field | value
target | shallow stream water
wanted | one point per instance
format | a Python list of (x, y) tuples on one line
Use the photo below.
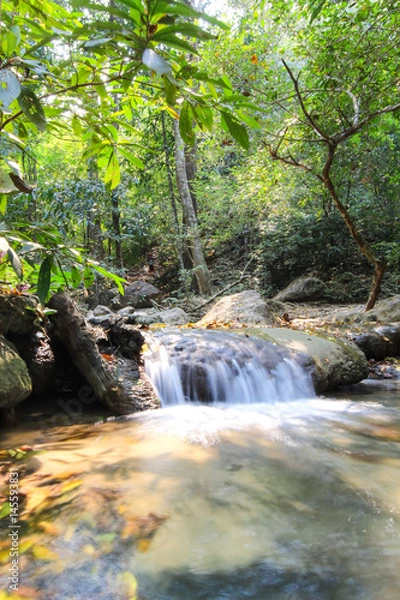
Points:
[(291, 500)]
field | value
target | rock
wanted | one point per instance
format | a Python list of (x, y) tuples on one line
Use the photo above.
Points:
[(15, 383), (331, 361), (276, 306), (127, 311), (173, 316), (303, 288), (100, 311), (37, 353), (170, 316), (384, 311), (387, 311), (17, 313), (138, 294), (246, 307), (380, 342), (127, 339), (106, 321), (145, 317)]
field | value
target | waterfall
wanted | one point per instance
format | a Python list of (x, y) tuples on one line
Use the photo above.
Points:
[(214, 366)]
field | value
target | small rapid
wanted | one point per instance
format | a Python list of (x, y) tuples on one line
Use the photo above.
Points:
[(214, 367)]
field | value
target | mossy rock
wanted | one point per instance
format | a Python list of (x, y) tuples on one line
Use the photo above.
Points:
[(15, 383), (331, 361)]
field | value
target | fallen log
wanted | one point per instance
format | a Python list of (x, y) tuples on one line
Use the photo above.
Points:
[(115, 380)]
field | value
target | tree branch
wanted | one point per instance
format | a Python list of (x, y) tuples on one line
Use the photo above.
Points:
[(309, 118), (344, 135), (290, 160)]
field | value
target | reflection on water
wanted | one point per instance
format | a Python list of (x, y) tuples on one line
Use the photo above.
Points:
[(297, 500)]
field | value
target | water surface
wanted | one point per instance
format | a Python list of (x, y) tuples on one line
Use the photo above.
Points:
[(293, 500)]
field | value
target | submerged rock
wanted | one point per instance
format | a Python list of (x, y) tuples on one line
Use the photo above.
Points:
[(246, 307), (15, 383)]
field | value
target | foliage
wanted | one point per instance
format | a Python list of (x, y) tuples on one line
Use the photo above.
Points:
[(44, 260), (98, 70), (98, 77)]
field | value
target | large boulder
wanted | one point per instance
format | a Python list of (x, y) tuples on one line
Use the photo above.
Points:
[(331, 361), (15, 383), (139, 294), (301, 289), (246, 307)]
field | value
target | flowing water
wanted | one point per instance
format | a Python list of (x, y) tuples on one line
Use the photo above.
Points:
[(297, 499), (211, 366)]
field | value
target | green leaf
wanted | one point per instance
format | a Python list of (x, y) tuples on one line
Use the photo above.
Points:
[(174, 41), (11, 40), (76, 125), (88, 277), (214, 21), (316, 10), (204, 116), (5, 510), (10, 87), (15, 262), (186, 124), (113, 173), (43, 283), (188, 29), (250, 121), (237, 130), (32, 108), (75, 277), (119, 281), (175, 8), (3, 204), (132, 158), (95, 42), (171, 90)]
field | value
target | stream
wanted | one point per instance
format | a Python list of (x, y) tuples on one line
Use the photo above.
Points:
[(297, 499)]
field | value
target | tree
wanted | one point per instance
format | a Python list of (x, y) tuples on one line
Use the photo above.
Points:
[(192, 232), (338, 77), (109, 62)]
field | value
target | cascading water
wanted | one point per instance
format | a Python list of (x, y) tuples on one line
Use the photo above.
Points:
[(211, 366)]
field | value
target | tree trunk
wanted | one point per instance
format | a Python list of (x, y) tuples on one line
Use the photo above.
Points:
[(113, 383), (116, 223), (191, 170), (189, 214), (94, 238), (380, 268), (177, 228), (379, 265)]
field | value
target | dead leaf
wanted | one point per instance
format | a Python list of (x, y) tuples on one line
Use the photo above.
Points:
[(49, 528), (143, 545), (43, 553)]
